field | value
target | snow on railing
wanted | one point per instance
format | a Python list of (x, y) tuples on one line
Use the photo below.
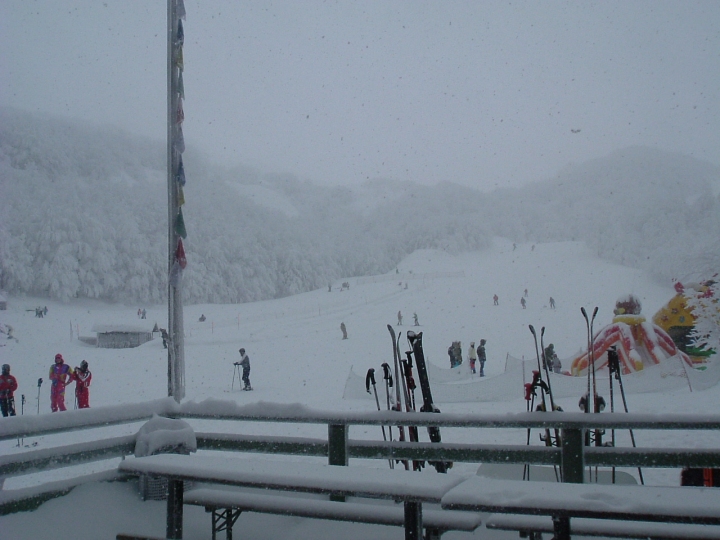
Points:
[(572, 424)]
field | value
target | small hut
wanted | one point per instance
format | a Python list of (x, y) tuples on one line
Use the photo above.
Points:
[(121, 336)]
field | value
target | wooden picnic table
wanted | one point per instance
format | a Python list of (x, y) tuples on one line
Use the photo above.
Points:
[(563, 501), (409, 487)]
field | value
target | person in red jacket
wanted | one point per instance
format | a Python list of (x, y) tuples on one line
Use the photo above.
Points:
[(8, 385), (82, 378), (60, 375)]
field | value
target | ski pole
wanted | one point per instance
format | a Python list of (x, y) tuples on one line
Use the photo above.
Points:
[(543, 386), (537, 354), (407, 366), (549, 384), (529, 404), (235, 371), (596, 402), (612, 403), (409, 387), (370, 379), (38, 398), (22, 413), (622, 393), (387, 376)]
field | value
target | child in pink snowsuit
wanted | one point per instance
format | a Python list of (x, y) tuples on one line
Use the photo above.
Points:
[(60, 375)]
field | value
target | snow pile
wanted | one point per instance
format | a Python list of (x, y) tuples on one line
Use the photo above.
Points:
[(165, 435)]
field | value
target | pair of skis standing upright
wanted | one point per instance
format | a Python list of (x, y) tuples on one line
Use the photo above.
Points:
[(545, 387), (405, 393), (589, 399)]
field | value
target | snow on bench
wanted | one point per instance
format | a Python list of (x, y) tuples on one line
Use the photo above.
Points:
[(25, 499), (563, 501), (411, 488), (605, 528), (437, 521)]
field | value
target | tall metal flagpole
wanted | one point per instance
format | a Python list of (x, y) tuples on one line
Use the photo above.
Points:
[(176, 344)]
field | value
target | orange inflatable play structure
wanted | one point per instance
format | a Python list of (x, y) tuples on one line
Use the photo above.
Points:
[(639, 343)]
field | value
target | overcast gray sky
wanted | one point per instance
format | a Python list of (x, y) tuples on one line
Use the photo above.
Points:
[(480, 93)]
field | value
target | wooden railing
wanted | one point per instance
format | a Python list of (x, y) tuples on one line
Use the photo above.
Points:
[(571, 456)]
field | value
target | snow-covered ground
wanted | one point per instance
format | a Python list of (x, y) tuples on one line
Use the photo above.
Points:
[(298, 356)]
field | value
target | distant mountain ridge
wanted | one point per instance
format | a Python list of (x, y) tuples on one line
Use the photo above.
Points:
[(83, 214)]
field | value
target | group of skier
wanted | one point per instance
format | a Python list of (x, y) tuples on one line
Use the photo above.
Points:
[(416, 322), (61, 374), (523, 302), (477, 355), (474, 355)]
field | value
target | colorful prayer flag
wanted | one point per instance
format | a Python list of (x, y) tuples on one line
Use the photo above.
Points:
[(179, 58), (180, 34), (180, 196), (179, 143), (180, 9), (180, 225), (180, 254), (180, 174), (181, 86)]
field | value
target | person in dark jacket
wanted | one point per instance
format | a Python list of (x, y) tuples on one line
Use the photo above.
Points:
[(481, 356)]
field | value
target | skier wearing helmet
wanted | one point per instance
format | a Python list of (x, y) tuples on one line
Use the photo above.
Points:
[(481, 356), (8, 385), (82, 377), (60, 375)]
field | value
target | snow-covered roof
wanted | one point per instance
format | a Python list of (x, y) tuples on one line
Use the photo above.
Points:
[(126, 328)]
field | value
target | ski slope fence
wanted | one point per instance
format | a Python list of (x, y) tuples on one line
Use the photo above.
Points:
[(408, 276), (233, 427), (459, 385)]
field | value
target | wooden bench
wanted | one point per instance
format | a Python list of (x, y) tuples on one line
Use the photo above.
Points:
[(530, 526), (563, 501), (412, 489), (226, 507)]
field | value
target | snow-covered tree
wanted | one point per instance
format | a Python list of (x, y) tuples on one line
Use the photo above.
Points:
[(704, 303)]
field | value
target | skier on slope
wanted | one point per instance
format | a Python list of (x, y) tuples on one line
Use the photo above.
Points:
[(245, 363), (399, 318), (472, 356), (60, 375), (495, 300), (522, 302), (549, 357), (8, 385), (343, 329), (481, 356), (82, 377)]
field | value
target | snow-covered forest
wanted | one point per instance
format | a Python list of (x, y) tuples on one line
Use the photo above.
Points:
[(83, 213)]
